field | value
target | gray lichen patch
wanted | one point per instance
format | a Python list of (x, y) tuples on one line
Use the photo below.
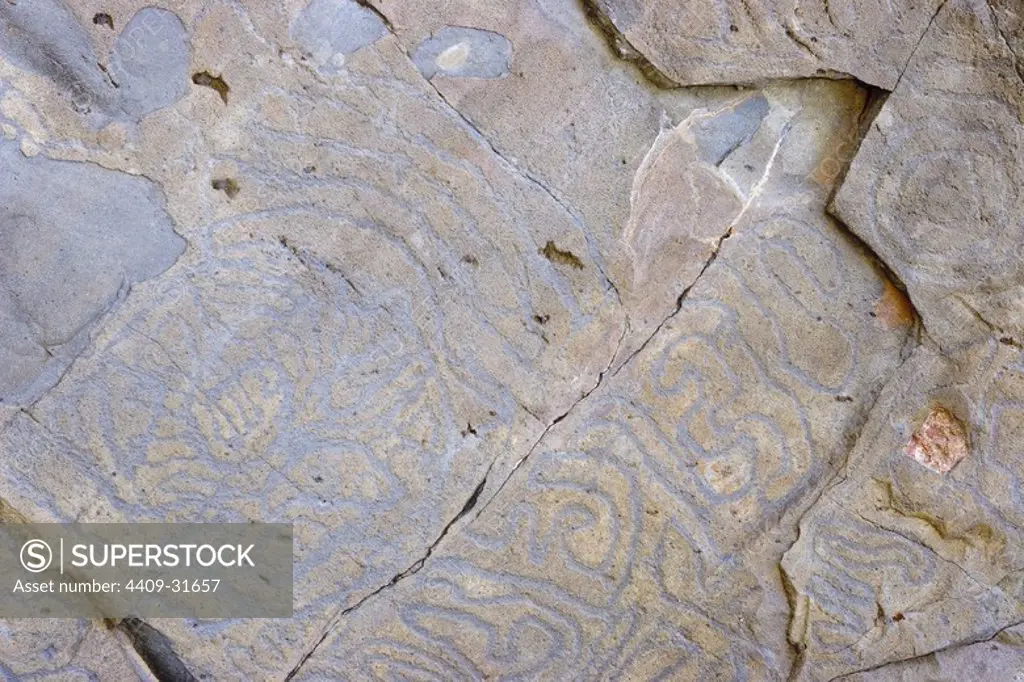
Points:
[(75, 236), (464, 53), (329, 30)]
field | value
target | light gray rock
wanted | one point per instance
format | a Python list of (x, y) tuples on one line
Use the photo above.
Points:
[(464, 53), (150, 61), (330, 30), (147, 69), (76, 238), (998, 658), (721, 135), (45, 37)]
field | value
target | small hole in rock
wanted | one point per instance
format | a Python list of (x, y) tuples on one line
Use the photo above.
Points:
[(226, 185), (208, 80), (557, 255), (103, 19)]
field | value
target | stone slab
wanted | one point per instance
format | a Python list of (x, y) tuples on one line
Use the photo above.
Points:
[(742, 41), (935, 186)]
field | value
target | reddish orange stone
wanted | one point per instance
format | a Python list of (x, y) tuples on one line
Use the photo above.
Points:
[(894, 309), (940, 443)]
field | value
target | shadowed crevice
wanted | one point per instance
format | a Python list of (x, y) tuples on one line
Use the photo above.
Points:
[(621, 46), (872, 108), (156, 650)]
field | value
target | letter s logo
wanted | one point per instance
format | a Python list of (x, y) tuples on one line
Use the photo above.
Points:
[(36, 556)]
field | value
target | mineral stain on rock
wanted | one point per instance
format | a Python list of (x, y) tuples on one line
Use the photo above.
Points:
[(894, 308), (227, 185), (940, 443), (557, 255), (464, 53), (103, 19)]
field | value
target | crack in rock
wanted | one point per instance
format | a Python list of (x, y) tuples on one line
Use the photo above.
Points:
[(157, 650), (413, 569)]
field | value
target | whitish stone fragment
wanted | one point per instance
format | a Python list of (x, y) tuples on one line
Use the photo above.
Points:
[(940, 442), (464, 53)]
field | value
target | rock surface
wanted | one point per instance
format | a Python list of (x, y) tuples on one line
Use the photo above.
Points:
[(739, 41), (935, 187), (560, 369), (76, 238), (999, 658)]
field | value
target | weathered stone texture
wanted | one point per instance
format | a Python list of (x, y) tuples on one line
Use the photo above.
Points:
[(560, 371), (936, 186), (746, 41), (76, 238), (672, 492), (999, 658), (67, 650), (896, 560)]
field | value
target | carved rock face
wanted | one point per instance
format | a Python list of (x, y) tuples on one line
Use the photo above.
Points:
[(560, 367)]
